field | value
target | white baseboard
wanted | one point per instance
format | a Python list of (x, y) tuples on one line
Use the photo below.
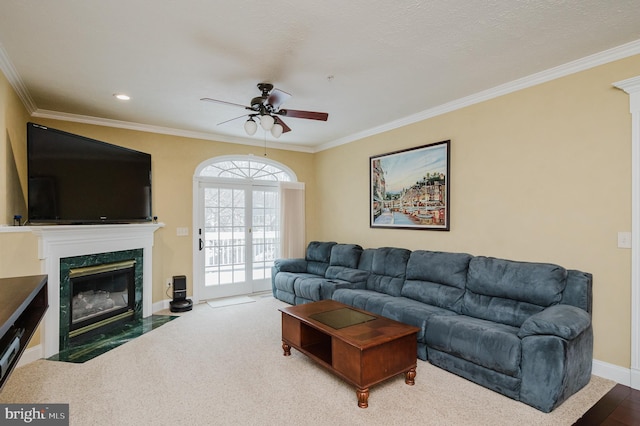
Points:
[(635, 379), (31, 354), (613, 372), (161, 305)]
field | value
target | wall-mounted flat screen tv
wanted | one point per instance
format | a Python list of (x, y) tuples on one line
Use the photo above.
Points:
[(77, 180)]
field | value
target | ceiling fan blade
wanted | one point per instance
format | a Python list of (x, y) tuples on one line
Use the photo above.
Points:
[(225, 103), (276, 98), (226, 121), (285, 128), (311, 115)]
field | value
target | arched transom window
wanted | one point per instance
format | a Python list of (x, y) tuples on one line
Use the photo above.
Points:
[(247, 168)]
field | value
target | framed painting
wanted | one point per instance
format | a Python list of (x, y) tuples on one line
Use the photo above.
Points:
[(410, 188)]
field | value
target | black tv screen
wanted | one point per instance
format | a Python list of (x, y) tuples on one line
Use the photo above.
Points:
[(77, 180)]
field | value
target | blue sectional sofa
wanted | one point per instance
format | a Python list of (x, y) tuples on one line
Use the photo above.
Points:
[(522, 329)]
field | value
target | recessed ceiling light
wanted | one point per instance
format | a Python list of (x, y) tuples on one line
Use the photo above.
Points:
[(122, 96)]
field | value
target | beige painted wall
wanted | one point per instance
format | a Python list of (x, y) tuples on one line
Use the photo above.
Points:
[(542, 174), (13, 154), (18, 251)]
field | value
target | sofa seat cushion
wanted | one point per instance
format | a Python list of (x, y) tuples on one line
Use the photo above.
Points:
[(485, 343), (314, 288), (285, 281), (368, 300), (413, 313), (509, 292)]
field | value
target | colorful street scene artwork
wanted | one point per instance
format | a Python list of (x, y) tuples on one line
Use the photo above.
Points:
[(410, 188)]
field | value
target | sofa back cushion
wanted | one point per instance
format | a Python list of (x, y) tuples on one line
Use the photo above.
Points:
[(344, 263), (347, 255), (437, 278), (509, 292), (318, 256), (387, 267)]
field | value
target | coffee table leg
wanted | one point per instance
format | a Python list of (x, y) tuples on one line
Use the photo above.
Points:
[(409, 377), (286, 348), (363, 397)]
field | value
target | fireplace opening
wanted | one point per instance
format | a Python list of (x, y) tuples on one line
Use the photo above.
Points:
[(102, 296)]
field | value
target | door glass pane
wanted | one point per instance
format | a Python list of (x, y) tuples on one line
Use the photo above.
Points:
[(265, 235), (224, 236)]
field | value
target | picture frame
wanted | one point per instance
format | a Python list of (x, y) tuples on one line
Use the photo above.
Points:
[(409, 189)]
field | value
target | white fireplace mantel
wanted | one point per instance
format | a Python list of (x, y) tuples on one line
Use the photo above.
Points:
[(60, 241)]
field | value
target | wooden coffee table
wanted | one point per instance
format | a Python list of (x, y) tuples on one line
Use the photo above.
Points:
[(362, 348)]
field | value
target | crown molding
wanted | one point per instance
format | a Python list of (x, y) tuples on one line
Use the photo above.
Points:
[(85, 119), (591, 61), (631, 85), (16, 82)]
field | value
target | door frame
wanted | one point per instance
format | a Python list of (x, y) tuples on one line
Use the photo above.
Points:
[(197, 208), (632, 87), (248, 187)]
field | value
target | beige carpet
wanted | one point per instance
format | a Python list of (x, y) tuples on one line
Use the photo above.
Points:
[(225, 366)]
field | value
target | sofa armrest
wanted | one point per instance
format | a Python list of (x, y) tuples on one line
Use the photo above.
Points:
[(564, 321), (290, 265)]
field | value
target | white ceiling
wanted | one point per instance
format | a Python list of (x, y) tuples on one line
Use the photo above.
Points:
[(369, 64)]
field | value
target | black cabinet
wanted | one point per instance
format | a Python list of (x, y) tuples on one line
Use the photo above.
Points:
[(23, 302)]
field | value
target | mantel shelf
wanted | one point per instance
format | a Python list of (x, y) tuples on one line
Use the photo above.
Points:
[(40, 229)]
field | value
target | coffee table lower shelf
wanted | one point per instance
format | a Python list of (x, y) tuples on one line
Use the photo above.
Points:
[(363, 354)]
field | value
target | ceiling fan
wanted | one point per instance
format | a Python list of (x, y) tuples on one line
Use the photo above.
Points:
[(266, 108)]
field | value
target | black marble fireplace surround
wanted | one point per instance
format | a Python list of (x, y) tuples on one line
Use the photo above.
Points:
[(125, 308)]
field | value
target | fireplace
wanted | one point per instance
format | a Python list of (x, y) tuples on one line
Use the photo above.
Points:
[(102, 296), (99, 293), (59, 242)]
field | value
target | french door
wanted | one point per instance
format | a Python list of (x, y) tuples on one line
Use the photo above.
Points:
[(238, 238)]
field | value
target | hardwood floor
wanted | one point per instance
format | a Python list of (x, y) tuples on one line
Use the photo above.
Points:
[(620, 406)]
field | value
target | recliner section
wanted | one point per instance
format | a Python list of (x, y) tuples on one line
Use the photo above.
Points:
[(327, 266)]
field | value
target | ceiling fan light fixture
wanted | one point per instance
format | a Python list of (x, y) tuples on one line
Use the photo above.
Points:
[(276, 130), (250, 126), (267, 121), (267, 109)]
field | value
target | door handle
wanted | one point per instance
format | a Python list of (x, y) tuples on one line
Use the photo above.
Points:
[(201, 243)]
